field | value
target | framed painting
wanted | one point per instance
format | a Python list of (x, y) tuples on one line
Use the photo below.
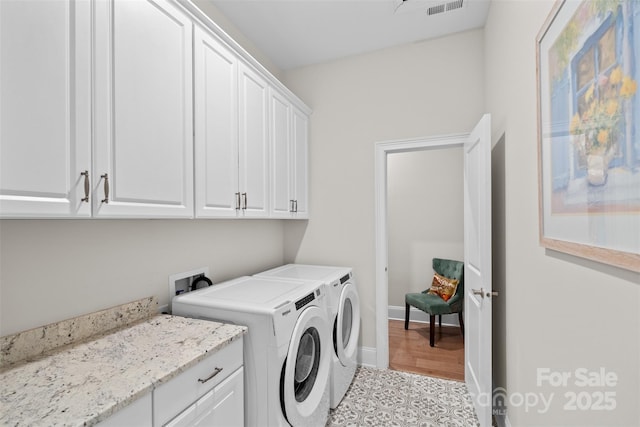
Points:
[(589, 130)]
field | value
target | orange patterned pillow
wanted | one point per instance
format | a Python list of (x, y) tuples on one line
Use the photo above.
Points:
[(443, 286)]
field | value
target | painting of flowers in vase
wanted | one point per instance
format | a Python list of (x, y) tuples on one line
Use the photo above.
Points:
[(589, 132)]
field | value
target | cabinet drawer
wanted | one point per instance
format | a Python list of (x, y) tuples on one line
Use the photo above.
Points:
[(173, 397)]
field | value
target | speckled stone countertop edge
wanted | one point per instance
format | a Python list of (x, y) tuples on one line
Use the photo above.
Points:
[(27, 345), (83, 382)]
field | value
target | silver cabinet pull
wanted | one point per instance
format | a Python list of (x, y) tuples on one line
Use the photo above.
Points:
[(237, 201), (215, 372), (295, 203), (244, 199), (291, 205), (86, 186), (106, 188)]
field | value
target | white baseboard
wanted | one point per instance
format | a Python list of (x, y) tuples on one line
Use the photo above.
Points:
[(397, 313), (367, 356)]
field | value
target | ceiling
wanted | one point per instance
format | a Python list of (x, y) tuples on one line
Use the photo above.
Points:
[(296, 33)]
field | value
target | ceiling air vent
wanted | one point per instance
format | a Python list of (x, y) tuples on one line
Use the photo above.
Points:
[(435, 9), (431, 7), (454, 5)]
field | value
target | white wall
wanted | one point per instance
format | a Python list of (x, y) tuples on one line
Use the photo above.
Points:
[(561, 312), (52, 270), (425, 216), (421, 89)]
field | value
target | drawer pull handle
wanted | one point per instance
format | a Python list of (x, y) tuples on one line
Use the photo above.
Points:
[(86, 186), (215, 372), (106, 188)]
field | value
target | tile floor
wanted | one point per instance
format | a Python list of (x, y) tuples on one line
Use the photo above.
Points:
[(393, 398)]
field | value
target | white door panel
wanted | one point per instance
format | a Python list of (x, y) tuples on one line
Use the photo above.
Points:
[(477, 274), (254, 143), (45, 116), (143, 116), (216, 127), (281, 191)]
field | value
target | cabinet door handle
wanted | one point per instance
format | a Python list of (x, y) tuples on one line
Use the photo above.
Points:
[(237, 201), (295, 203), (86, 186), (291, 205), (244, 199), (215, 372), (106, 188)]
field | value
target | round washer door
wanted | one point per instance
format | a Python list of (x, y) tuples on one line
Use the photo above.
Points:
[(304, 383), (347, 326)]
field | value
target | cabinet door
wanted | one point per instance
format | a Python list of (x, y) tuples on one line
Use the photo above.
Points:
[(282, 192), (45, 110), (138, 414), (300, 146), (143, 110), (216, 127), (222, 406), (228, 405), (253, 143)]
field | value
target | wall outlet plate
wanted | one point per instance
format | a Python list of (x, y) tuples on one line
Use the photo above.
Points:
[(181, 282)]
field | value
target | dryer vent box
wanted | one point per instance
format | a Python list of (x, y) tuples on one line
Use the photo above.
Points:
[(181, 282)]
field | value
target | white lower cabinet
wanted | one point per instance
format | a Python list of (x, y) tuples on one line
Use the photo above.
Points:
[(210, 393), (138, 414), (222, 406)]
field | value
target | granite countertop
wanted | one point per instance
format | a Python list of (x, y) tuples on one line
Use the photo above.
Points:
[(84, 383)]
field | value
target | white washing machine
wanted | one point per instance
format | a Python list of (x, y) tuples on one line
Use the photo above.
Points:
[(344, 318), (287, 349)]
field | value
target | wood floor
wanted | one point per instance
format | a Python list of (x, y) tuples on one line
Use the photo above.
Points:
[(409, 350)]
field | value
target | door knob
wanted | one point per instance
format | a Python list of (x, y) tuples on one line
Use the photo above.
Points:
[(478, 292), (483, 294)]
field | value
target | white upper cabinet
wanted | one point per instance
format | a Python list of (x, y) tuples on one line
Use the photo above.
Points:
[(45, 110), (143, 146), (289, 134), (300, 145), (141, 109), (231, 138), (253, 143), (216, 127)]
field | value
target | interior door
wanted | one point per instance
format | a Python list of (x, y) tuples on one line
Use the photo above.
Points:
[(477, 264)]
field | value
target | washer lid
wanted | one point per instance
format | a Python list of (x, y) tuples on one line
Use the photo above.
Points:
[(256, 294), (306, 272)]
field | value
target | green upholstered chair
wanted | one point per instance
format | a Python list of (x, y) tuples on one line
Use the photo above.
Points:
[(433, 304)]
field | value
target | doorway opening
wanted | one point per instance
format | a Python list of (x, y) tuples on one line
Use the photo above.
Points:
[(425, 220), (390, 301)]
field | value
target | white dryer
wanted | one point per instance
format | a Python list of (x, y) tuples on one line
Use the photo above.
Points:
[(344, 318), (287, 348)]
